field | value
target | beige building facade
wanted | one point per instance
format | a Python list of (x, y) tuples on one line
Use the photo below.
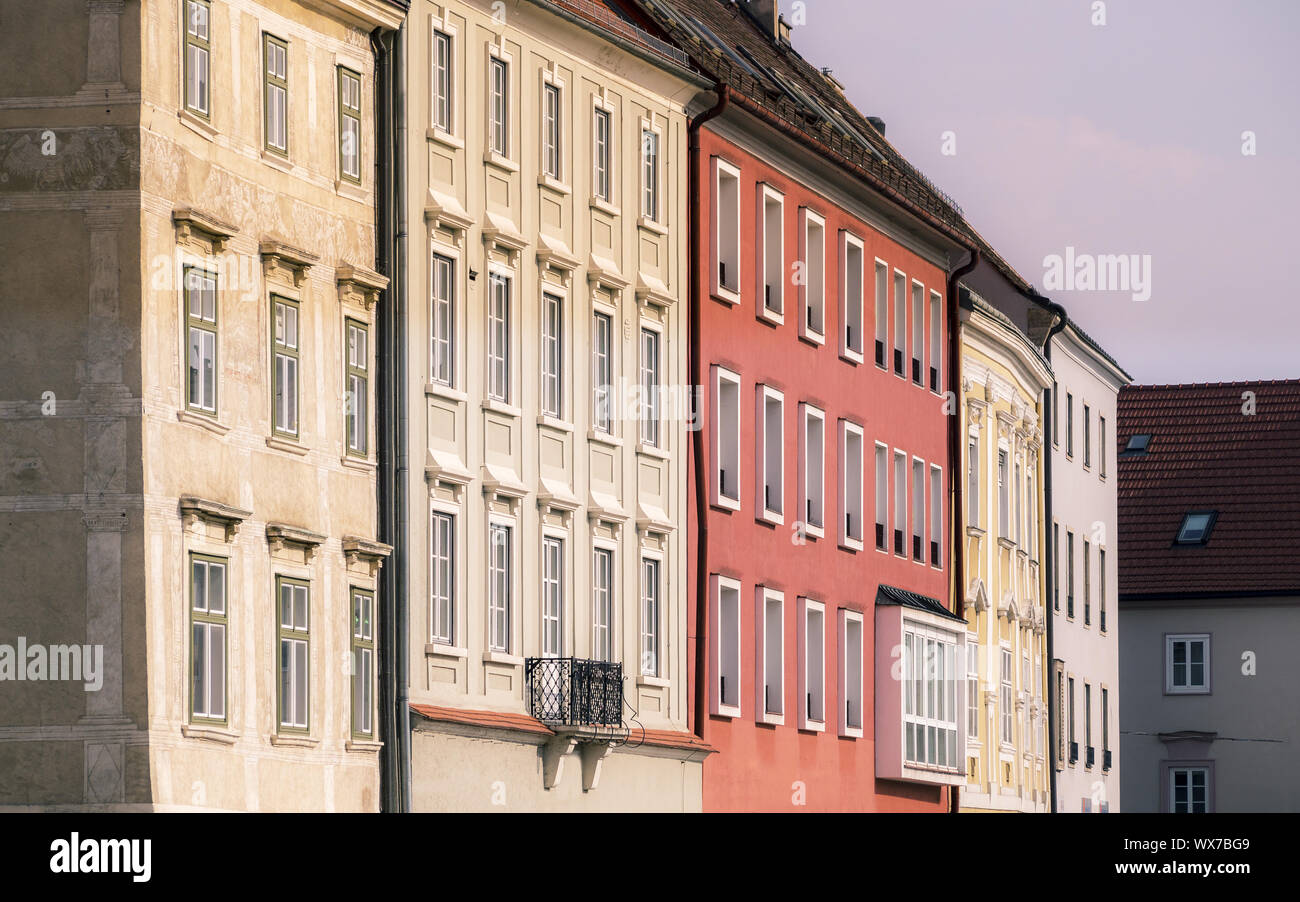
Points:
[(189, 433), (548, 416)]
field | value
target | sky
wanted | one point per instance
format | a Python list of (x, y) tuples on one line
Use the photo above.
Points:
[(1117, 138)]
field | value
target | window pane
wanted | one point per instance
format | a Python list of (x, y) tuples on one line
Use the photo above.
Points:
[(198, 671), (217, 670)]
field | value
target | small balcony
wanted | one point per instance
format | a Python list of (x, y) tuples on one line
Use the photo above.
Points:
[(575, 692)]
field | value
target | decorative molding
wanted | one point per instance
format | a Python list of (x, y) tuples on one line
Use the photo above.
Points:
[(281, 258), (652, 291), (444, 211), (501, 485), (356, 549), (280, 535), (555, 253), (194, 509), (358, 285), (194, 225), (604, 273), (105, 521)]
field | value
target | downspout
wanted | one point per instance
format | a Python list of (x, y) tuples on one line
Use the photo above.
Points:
[(1053, 715), (954, 455), (694, 297), (400, 266)]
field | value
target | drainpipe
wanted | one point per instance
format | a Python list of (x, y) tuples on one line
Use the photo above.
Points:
[(954, 455), (694, 296)]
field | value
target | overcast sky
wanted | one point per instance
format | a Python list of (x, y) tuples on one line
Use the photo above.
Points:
[(1124, 138)]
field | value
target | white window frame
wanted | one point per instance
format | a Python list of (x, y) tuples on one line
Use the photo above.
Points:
[(1189, 688), (901, 481), (604, 392), (769, 482), (202, 44), (440, 126), (851, 679), (599, 107), (851, 506), (554, 407), (559, 583), (1172, 770), (1004, 491), (452, 257), (652, 628), (918, 511), (605, 546), (1006, 696), (211, 624), (880, 288), (812, 667), (937, 328), (918, 375), (973, 479), (726, 234), (937, 495), (503, 152), (900, 362), (812, 288), (720, 646), (651, 427), (765, 254), (512, 557), (812, 470), (945, 714), (881, 465), (551, 131), (727, 466), (452, 512), (852, 312), (766, 598), (651, 167), (512, 293), (972, 688)]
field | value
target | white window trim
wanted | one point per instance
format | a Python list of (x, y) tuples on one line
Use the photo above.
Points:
[(721, 374), (847, 351), (807, 220), (847, 428), (1170, 688), (661, 650), (880, 302), (559, 182), (919, 350), (610, 310), (656, 222), (513, 335), (937, 330), (566, 585), (846, 679), (901, 509), (565, 417), (643, 324), (762, 596), (775, 516), (805, 607), (972, 655), (807, 492), (716, 707), (936, 517), (881, 498), (458, 557), (452, 253), (919, 505), (761, 251), (611, 546), (512, 614), (610, 206), (900, 278), (503, 160), (720, 291), (455, 128)]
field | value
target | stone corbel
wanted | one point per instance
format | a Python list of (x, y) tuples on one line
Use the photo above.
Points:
[(358, 285), (366, 551), (194, 509), (555, 254), (604, 510), (448, 474), (442, 211), (279, 257), (653, 521), (280, 535), (652, 292), (553, 754), (555, 498), (593, 755), (604, 273), (192, 225), (500, 485), (501, 233)]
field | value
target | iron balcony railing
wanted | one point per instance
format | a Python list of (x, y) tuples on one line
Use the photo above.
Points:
[(575, 691)]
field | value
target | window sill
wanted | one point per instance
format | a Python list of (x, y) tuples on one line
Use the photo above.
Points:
[(444, 138), (657, 682), (1006, 543), (975, 532), (359, 463), (492, 158), (849, 355), (604, 438), (851, 544), (364, 746), (812, 529), (197, 419), (290, 740), (351, 190), (213, 733), (651, 451), (775, 518), (772, 718), (851, 733), (501, 407), (812, 336), (603, 206), (549, 421), (812, 726), (725, 503), (437, 389), (554, 184), (768, 315), (501, 657), (277, 160), (438, 650), (284, 444), (725, 295), (197, 124), (731, 712), (650, 225)]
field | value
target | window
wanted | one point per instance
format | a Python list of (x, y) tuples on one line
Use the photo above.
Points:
[(851, 485), (972, 688), (442, 577), (725, 647), (551, 121), (1137, 443), (1031, 515), (1004, 489), (349, 125), (1187, 664), (602, 155), (363, 663), (552, 355), (1101, 583), (1056, 566), (498, 350), (1069, 700), (771, 255), (198, 51), (208, 629), (602, 597), (1196, 528), (726, 230), (358, 364), (900, 322), (973, 481), (284, 348), (1056, 413), (1105, 728), (900, 500), (813, 290), (650, 387), (769, 628), (1018, 516), (1189, 790), (1069, 574), (882, 311), (500, 586), (812, 665), (930, 709), (650, 174), (1005, 707), (1101, 443), (1087, 582), (850, 668), (1087, 725), (201, 321), (918, 508), (650, 607), (294, 647), (936, 339), (1069, 425), (936, 516), (552, 596), (441, 63), (882, 497), (276, 87), (851, 297), (918, 330), (770, 453), (499, 106), (726, 438), (602, 365), (442, 320), (812, 464), (1087, 436)]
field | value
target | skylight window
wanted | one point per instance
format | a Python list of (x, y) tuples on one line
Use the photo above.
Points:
[(1137, 443), (1196, 528)]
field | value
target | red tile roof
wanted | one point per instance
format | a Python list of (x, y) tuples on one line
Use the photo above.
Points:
[(1207, 453), (476, 717), (670, 739)]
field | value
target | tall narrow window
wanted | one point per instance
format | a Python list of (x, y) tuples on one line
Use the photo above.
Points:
[(500, 583), (726, 230), (650, 387), (1031, 515), (1056, 413), (900, 501), (769, 627), (918, 509), (1105, 728), (441, 63), (602, 376), (930, 711), (363, 663), (552, 355), (1069, 574), (936, 516), (1004, 501), (812, 464), (1101, 584), (499, 106), (295, 643), (936, 338), (602, 155), (882, 312), (1087, 582), (198, 52), (850, 670), (276, 92), (813, 287), (812, 665), (1087, 724), (552, 596), (972, 688), (726, 438), (900, 322), (551, 120), (650, 174), (602, 599), (771, 251), (284, 349), (358, 375), (1101, 443), (852, 293), (770, 453), (1018, 517), (1069, 424), (201, 320), (1069, 701), (499, 337), (349, 125), (1087, 436), (918, 331), (882, 497), (724, 649), (1056, 566), (442, 320), (442, 578), (851, 462), (973, 481), (650, 612), (208, 620), (1005, 706)]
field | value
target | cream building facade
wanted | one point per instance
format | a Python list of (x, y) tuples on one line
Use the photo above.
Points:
[(547, 429), (1003, 380), (188, 417)]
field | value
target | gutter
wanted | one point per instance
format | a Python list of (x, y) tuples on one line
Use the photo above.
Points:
[(697, 378), (1053, 716)]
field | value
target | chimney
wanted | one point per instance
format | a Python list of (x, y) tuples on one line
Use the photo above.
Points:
[(878, 124), (766, 14)]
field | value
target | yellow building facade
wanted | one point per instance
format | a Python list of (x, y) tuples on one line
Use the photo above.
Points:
[(1003, 379)]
